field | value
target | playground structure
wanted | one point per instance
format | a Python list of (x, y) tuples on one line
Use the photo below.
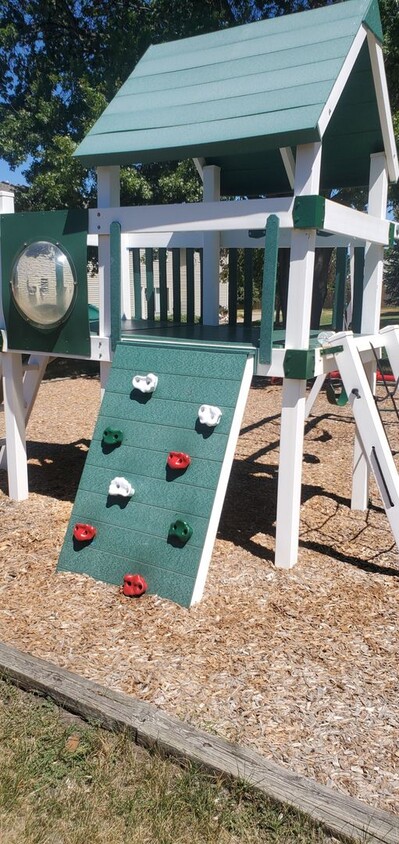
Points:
[(292, 108)]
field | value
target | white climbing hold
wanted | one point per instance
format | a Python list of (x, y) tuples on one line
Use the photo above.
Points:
[(209, 415), (145, 383), (120, 486)]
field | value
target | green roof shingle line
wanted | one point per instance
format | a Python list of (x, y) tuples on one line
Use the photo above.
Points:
[(237, 92)]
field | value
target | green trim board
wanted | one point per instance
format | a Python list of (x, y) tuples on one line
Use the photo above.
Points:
[(68, 229), (233, 95), (269, 289), (133, 534), (116, 277)]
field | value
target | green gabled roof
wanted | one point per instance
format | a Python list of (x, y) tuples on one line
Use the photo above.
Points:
[(235, 96)]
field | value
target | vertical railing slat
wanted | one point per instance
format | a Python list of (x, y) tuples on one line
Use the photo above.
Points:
[(248, 285), (163, 289), (137, 284), (149, 275), (190, 286), (269, 289), (201, 260), (115, 272), (176, 285), (232, 303)]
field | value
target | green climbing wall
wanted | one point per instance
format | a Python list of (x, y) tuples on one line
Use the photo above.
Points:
[(132, 534)]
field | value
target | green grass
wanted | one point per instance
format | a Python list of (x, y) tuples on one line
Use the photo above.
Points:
[(389, 316), (64, 782)]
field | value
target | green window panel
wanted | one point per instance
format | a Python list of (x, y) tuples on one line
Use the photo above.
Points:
[(67, 230)]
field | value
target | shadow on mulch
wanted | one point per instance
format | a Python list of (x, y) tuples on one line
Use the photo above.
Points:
[(250, 503), (72, 368), (58, 470), (250, 509)]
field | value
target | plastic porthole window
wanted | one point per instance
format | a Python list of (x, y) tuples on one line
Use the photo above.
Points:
[(43, 284)]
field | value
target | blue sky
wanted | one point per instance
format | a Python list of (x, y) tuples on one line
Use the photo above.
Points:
[(7, 175)]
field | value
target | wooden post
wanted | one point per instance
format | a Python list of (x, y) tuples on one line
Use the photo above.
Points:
[(371, 311), (293, 414), (108, 196), (211, 255)]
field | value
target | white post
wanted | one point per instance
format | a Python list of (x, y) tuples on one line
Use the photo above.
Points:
[(14, 412), (108, 196), (6, 202), (6, 207), (211, 253), (293, 414), (372, 292), (14, 404)]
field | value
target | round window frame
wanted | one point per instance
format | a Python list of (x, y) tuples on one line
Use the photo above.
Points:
[(57, 323)]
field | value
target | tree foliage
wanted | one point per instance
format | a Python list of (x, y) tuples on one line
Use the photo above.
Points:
[(62, 61), (391, 275)]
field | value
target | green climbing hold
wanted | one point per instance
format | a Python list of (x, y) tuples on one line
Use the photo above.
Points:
[(181, 530), (111, 436)]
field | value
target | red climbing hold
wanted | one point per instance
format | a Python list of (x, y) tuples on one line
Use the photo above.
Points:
[(84, 533), (178, 460), (134, 585)]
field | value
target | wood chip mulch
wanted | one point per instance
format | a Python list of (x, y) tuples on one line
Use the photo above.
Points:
[(301, 665)]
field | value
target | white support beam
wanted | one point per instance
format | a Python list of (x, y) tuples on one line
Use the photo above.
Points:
[(199, 164), (235, 239), (289, 164), (356, 224), (223, 481), (371, 311), (293, 414), (33, 376), (341, 80), (14, 413), (372, 436), (314, 392), (384, 109), (211, 252), (33, 373), (193, 216), (374, 254), (6, 207), (108, 195)]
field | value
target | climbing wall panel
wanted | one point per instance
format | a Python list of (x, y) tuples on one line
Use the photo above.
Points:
[(132, 533)]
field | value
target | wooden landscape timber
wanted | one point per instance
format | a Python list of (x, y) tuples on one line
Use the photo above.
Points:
[(150, 727)]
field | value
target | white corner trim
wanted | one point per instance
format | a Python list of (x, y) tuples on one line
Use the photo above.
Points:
[(384, 108), (341, 80), (223, 481), (289, 164), (199, 164)]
